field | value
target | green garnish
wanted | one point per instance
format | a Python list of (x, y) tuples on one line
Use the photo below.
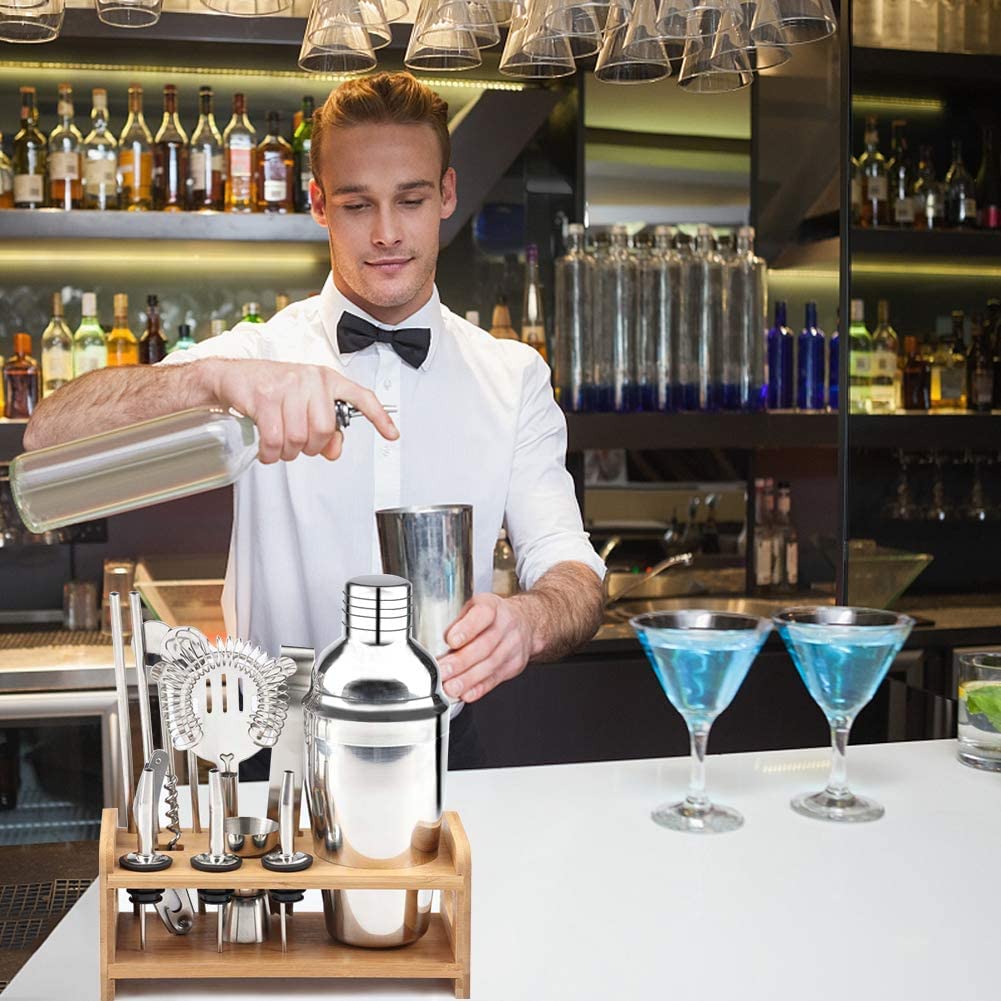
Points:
[(986, 700)]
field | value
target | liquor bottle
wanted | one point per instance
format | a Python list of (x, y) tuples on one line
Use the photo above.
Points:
[(135, 157), (20, 380), (239, 140), (741, 382), (926, 193), (948, 369), (859, 361), (781, 343), (992, 326), (90, 346), (123, 347), (834, 365), (100, 158), (217, 327), (810, 367), (574, 280), (152, 344), (205, 159), (6, 179), (185, 339), (302, 141), (989, 184), (787, 549), (960, 200), (57, 349), (882, 392), (251, 313), (170, 158), (979, 369), (856, 181), (505, 576), (275, 173), (917, 378), (281, 302), (704, 314), (500, 320), (900, 171), (29, 156), (533, 324), (65, 180), (763, 539), (875, 189), (615, 293)]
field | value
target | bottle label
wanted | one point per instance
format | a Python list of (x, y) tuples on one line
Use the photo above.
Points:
[(274, 191), (64, 166), (884, 363), (981, 389), (90, 359), (860, 363), (64, 109), (305, 176), (876, 189), (952, 381), (763, 560), (990, 216), (100, 173), (903, 211), (57, 366), (883, 396), (792, 562), (197, 166), (29, 188), (240, 161)]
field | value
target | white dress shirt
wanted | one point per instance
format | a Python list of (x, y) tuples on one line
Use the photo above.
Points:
[(478, 425)]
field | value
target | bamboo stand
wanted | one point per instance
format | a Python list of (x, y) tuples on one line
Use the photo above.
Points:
[(442, 953)]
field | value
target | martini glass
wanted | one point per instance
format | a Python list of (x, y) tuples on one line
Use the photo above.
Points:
[(700, 658), (842, 655)]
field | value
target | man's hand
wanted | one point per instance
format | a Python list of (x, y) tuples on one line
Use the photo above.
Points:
[(292, 405), (491, 642)]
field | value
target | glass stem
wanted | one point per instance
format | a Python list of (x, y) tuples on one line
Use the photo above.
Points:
[(837, 784), (697, 798)]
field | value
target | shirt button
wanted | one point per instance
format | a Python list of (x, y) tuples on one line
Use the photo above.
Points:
[(388, 384)]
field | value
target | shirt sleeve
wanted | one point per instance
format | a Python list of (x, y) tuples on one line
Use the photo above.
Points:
[(243, 341), (541, 513)]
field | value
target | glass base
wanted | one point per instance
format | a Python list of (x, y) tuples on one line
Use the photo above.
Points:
[(845, 809), (985, 760), (685, 816)]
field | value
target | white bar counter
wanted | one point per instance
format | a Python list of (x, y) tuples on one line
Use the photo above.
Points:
[(578, 895)]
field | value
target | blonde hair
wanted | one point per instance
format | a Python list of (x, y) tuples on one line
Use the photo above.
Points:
[(386, 98)]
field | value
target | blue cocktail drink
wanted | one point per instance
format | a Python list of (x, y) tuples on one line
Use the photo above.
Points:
[(842, 655), (700, 658)]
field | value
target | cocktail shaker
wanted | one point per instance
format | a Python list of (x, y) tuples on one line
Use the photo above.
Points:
[(432, 547), (376, 728)]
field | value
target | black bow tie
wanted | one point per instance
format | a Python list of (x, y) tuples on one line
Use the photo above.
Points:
[(356, 334)]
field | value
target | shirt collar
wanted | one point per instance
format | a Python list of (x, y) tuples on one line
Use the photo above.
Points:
[(333, 303)]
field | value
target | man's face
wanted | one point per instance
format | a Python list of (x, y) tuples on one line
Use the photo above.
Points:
[(382, 201)]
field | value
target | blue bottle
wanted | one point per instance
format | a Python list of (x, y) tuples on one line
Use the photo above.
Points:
[(832, 369), (781, 373), (810, 374)]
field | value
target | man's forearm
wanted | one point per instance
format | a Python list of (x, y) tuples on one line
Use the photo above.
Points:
[(564, 607), (114, 397)]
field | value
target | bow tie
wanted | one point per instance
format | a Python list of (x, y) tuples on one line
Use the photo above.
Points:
[(356, 334)]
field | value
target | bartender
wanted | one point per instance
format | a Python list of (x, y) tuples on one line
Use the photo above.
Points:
[(476, 421)]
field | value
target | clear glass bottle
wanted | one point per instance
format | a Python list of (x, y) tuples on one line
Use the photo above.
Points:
[(885, 348), (948, 368), (20, 380), (239, 140), (90, 345), (185, 339), (929, 208), (810, 351), (743, 385), (302, 142), (533, 323), (205, 159), (29, 159), (135, 466), (859, 361), (170, 158), (152, 344), (670, 310), (574, 279), (6, 179), (505, 577), (57, 349), (781, 348), (100, 158), (275, 170), (135, 157), (645, 344), (65, 173), (123, 346), (900, 170), (615, 314), (875, 186), (960, 198)]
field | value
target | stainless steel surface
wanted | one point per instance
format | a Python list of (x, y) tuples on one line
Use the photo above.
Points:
[(760, 607), (230, 780), (681, 560), (127, 791), (216, 858), (176, 911), (250, 837), (377, 749), (194, 784), (247, 917), (144, 810), (723, 575), (432, 547), (286, 858), (287, 754)]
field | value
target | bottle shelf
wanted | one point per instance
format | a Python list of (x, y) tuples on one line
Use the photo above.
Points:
[(918, 432), (924, 73), (251, 227), (702, 430), (950, 246)]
